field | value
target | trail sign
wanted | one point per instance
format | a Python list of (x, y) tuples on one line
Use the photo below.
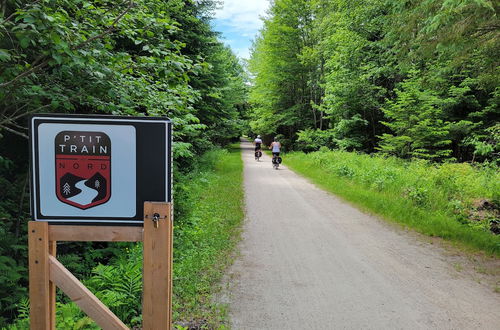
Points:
[(98, 169), (83, 168)]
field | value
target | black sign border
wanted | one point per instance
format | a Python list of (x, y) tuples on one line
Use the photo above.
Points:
[(151, 178)]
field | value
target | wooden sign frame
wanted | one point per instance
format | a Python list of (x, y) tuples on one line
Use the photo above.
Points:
[(46, 272)]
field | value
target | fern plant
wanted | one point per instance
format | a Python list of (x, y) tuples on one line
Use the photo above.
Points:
[(119, 286), (69, 316)]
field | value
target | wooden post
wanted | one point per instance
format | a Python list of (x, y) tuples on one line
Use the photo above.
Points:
[(39, 293), (171, 259), (52, 287), (157, 292)]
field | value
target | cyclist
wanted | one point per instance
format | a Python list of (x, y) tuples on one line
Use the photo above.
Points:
[(258, 144), (275, 148)]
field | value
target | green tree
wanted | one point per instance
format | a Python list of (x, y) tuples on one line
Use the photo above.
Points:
[(417, 122), (455, 45), (359, 75), (281, 95)]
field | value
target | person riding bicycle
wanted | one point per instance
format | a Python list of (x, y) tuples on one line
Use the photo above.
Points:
[(258, 143), (275, 148)]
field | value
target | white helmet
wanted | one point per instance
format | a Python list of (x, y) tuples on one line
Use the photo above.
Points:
[(258, 136)]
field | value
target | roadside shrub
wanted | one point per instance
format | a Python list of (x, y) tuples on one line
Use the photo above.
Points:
[(312, 140), (418, 195), (378, 184), (344, 170)]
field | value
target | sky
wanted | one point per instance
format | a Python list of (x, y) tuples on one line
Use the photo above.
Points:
[(239, 21)]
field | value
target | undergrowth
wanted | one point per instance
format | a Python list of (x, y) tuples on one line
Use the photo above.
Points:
[(209, 234), (442, 200), (209, 202)]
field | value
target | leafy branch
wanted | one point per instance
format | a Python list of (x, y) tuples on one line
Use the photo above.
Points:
[(7, 19), (109, 30), (35, 67)]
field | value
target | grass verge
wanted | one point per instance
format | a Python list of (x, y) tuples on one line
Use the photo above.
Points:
[(206, 237), (436, 200)]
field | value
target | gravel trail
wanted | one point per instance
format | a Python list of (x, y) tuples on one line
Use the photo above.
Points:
[(311, 261)]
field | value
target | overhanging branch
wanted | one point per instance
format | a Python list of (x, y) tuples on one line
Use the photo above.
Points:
[(36, 67)]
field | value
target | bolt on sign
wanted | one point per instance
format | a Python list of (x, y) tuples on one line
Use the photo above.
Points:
[(98, 169)]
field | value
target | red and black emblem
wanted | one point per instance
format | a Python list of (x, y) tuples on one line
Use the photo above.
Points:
[(83, 168)]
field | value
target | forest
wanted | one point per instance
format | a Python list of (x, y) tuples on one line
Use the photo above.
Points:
[(413, 79), (410, 83)]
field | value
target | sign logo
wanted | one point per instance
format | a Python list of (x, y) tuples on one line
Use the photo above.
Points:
[(83, 168)]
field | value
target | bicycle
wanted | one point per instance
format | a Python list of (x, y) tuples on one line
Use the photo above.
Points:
[(258, 154), (276, 161)]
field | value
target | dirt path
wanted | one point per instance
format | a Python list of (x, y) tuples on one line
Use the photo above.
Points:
[(310, 261)]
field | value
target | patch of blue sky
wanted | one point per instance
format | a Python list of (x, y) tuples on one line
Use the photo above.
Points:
[(239, 42), (239, 21)]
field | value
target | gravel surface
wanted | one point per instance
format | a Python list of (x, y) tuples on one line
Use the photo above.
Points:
[(311, 261)]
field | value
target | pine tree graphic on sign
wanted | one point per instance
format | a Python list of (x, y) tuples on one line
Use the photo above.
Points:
[(66, 189)]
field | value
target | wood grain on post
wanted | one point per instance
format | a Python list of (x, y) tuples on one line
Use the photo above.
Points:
[(38, 248), (82, 296), (157, 292), (171, 260), (52, 287), (95, 233)]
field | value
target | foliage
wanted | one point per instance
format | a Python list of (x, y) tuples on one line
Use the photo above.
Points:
[(312, 140), (417, 120), (133, 57), (410, 78), (68, 316), (13, 248), (435, 199), (280, 95), (212, 199), (119, 286), (358, 70)]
